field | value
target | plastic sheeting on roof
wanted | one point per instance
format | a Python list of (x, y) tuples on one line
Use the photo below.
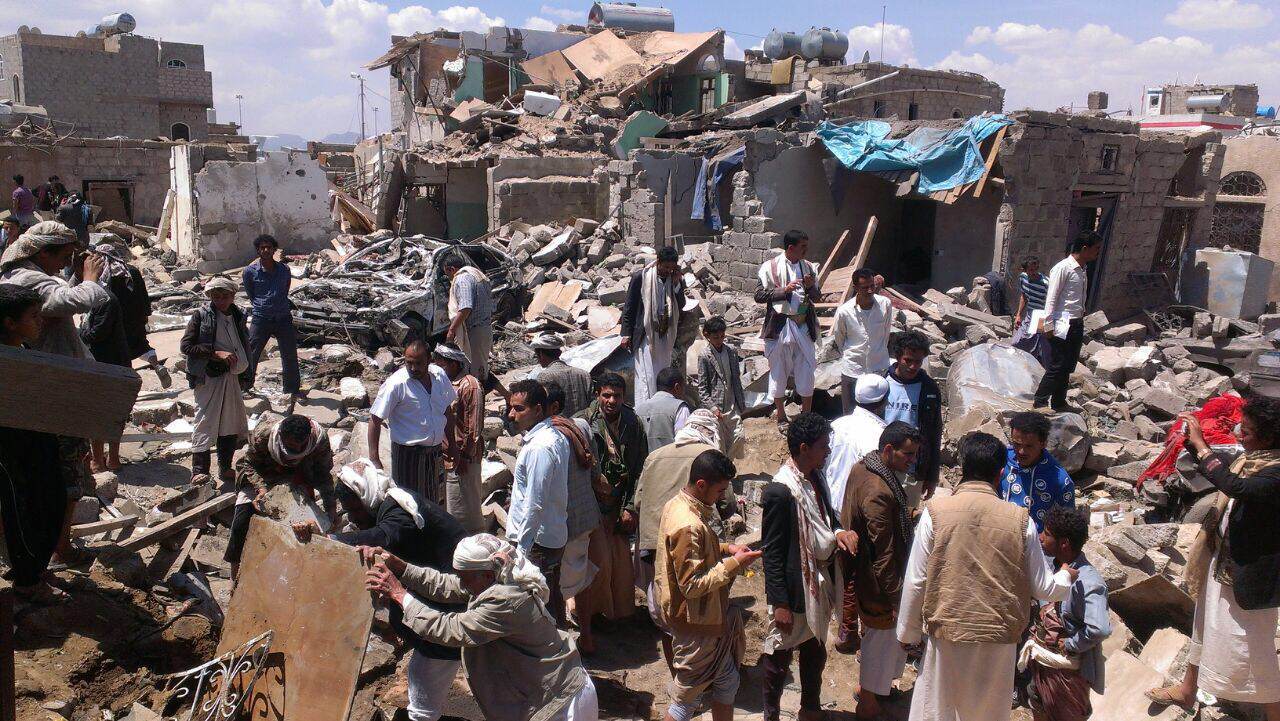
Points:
[(944, 160)]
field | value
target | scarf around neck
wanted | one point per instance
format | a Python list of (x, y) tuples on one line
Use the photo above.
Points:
[(578, 440), (817, 539), (876, 465), (662, 302), (288, 459)]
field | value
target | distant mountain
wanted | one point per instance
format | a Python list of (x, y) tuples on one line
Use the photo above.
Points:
[(289, 140)]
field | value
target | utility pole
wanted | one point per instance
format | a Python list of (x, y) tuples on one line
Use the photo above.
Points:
[(375, 120), (358, 76), (240, 104), (883, 10)]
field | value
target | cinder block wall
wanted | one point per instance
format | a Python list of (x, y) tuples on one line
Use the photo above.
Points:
[(144, 164), (544, 189)]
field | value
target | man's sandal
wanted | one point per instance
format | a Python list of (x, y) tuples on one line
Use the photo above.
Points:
[(1166, 697)]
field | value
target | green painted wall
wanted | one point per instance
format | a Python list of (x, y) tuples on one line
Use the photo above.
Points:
[(684, 94), (466, 220), (722, 89), (472, 81)]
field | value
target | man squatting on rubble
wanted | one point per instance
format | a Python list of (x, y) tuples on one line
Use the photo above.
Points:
[(470, 312), (976, 563), (1063, 322), (413, 402), (519, 666), (800, 534), (266, 282), (651, 318), (694, 572), (463, 446), (36, 261), (407, 526), (788, 286), (861, 334)]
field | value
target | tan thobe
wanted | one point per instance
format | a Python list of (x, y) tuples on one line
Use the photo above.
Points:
[(220, 401)]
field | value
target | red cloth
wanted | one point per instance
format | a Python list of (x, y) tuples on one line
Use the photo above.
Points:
[(1218, 418)]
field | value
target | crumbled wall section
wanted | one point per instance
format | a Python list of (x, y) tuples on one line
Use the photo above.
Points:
[(144, 164), (935, 94), (547, 189)]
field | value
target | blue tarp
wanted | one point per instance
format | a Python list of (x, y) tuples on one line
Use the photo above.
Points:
[(944, 161)]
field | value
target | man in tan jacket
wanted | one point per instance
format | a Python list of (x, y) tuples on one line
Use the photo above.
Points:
[(975, 565), (694, 573), (877, 509)]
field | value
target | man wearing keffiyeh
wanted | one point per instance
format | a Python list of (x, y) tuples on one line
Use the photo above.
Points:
[(800, 533), (651, 319)]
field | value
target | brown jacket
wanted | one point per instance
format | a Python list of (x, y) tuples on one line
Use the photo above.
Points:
[(977, 589), (871, 511), (773, 321), (693, 571), (464, 422)]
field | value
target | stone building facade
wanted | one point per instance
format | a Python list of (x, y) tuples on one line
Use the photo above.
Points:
[(1241, 100), (1247, 213), (103, 87)]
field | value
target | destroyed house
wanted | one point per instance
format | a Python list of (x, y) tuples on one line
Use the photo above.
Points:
[(110, 85), (1024, 189)]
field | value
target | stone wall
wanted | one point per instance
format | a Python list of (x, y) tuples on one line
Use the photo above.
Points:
[(1260, 155), (1243, 102), (142, 164), (547, 189), (935, 94)]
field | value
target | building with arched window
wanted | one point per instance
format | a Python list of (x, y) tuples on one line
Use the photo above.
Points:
[(1246, 215)]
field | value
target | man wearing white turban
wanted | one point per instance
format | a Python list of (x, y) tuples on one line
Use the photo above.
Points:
[(519, 666)]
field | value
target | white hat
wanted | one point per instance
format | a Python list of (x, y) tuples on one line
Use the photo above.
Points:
[(547, 341), (870, 388)]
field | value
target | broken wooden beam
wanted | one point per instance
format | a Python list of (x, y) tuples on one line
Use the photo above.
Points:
[(991, 160), (836, 251), (91, 529), (184, 552), (861, 258), (178, 523)]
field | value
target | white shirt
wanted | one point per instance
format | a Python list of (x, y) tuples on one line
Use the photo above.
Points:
[(852, 437), (1066, 291), (414, 415), (539, 510), (862, 335), (1045, 586)]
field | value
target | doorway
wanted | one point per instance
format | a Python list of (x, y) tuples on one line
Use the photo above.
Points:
[(113, 198), (1093, 212), (914, 262)]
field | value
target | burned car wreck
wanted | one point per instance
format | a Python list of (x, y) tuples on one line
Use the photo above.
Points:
[(395, 291)]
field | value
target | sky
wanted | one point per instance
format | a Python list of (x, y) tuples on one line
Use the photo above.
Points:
[(292, 59)]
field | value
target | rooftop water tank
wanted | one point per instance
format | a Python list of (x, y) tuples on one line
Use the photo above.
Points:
[(779, 45), (1267, 111), (1209, 103), (824, 44), (631, 17)]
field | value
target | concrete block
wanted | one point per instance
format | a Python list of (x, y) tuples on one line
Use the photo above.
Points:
[(1095, 321), (159, 413), (615, 294), (1102, 456), (1161, 404), (1122, 545), (85, 510), (106, 486), (1130, 332), (353, 392)]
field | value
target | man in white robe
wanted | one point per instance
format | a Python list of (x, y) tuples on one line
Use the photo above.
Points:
[(787, 285), (976, 563), (651, 319)]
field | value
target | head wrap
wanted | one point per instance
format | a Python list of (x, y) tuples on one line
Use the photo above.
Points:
[(373, 486), (702, 426), (115, 266), (45, 234), (546, 341), (486, 552), (870, 388), (287, 458), (219, 283), (450, 352)]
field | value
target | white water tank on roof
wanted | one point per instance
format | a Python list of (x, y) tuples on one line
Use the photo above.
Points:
[(118, 24), (631, 17)]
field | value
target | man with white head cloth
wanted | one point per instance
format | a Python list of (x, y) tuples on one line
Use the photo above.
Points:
[(519, 666)]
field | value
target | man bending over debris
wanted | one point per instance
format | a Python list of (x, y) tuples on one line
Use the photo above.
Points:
[(219, 370), (651, 318), (463, 446), (293, 451), (975, 565), (470, 312), (575, 382), (410, 527), (519, 666), (694, 573), (537, 519), (787, 285), (800, 532), (621, 446), (266, 282), (413, 401)]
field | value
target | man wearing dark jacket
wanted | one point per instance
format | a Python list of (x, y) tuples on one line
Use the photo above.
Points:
[(421, 532), (875, 507), (800, 533), (915, 398), (651, 318)]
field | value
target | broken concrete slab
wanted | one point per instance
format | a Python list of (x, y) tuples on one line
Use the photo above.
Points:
[(316, 655), (1163, 651), (1128, 680), (353, 393), (763, 109), (1154, 601), (1161, 403), (1128, 333)]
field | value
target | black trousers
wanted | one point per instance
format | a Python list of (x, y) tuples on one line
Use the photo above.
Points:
[(1064, 355), (263, 329), (548, 561), (813, 659)]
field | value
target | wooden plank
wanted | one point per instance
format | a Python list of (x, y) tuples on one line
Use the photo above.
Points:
[(76, 397), (178, 523), (836, 281), (836, 250), (184, 552), (90, 529), (991, 160), (601, 54), (861, 258)]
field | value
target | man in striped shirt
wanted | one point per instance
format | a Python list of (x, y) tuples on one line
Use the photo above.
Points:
[(1065, 305), (1033, 284)]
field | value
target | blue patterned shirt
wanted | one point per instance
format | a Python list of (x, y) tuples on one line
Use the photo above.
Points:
[(1039, 488)]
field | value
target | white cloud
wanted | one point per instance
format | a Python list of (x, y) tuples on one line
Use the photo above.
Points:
[(569, 15), (537, 23), (416, 18), (732, 50), (1051, 67), (899, 48), (1218, 15)]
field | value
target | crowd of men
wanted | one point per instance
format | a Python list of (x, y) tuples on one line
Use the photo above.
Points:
[(983, 583)]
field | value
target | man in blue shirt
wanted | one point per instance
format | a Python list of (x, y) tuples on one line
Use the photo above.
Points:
[(1032, 477), (266, 282)]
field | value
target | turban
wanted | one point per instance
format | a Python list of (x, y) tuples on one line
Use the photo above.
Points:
[(702, 426), (450, 352), (486, 552), (546, 341), (870, 388), (219, 283), (373, 486), (45, 234)]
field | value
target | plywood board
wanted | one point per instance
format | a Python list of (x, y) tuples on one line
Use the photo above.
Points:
[(601, 54), (75, 397), (312, 597), (551, 69)]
